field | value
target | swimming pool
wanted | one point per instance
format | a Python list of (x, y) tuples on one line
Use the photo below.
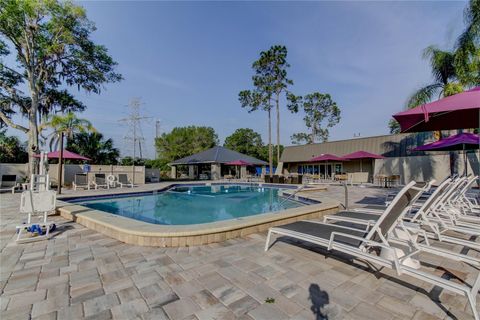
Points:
[(185, 205)]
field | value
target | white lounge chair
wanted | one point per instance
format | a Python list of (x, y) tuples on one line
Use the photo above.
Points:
[(9, 183), (81, 181), (123, 181), (38, 204), (99, 181), (364, 244), (422, 222)]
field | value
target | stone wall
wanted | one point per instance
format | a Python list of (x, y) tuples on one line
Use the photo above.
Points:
[(18, 169)]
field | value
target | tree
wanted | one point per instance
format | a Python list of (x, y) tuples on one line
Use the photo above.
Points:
[(94, 146), (263, 153), (185, 141), (270, 81), (53, 50), (65, 126), (321, 113), (301, 138), (467, 59), (445, 81), (128, 161), (452, 71), (394, 126), (245, 141), (11, 149)]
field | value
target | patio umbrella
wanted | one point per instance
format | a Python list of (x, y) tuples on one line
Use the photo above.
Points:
[(327, 157), (360, 155), (459, 111), (239, 163), (66, 155), (462, 141)]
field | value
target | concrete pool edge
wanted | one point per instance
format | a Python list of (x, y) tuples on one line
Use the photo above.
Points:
[(141, 233)]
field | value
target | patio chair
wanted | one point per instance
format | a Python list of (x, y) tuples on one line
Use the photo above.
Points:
[(9, 183), (40, 204), (363, 244), (394, 180), (421, 222), (380, 180), (81, 181), (99, 180), (123, 181)]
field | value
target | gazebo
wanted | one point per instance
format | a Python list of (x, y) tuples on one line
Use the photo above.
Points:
[(214, 163)]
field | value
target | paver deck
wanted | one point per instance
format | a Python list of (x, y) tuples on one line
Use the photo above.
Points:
[(82, 274)]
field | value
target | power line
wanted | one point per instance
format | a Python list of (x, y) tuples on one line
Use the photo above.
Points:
[(135, 134)]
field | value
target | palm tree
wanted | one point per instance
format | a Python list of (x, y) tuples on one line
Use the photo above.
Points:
[(467, 47), (65, 126), (444, 73), (94, 146), (454, 70)]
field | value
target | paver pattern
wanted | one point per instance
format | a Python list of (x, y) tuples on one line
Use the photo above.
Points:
[(82, 274)]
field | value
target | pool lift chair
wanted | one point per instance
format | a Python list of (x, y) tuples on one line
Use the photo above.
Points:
[(38, 204), (366, 244)]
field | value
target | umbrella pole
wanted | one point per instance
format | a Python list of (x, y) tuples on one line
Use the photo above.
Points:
[(326, 170), (60, 163), (465, 160)]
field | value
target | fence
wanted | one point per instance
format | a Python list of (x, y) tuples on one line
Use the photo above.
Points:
[(427, 167), (69, 171)]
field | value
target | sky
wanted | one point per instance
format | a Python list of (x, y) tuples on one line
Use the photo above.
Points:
[(188, 61)]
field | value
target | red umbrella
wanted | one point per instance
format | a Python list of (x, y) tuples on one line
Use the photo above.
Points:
[(462, 141), (239, 163), (327, 157), (359, 155), (66, 155), (459, 111), (362, 155)]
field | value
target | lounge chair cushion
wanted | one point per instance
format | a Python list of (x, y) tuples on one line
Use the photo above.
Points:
[(323, 231), (357, 215)]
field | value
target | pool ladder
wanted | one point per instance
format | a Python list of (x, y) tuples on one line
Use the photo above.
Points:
[(291, 195)]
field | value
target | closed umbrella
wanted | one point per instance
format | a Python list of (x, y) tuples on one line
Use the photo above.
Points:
[(462, 141)]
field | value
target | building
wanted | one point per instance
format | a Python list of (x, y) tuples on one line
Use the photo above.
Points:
[(212, 164), (397, 150)]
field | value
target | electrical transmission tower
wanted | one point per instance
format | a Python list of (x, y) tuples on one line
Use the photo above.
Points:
[(157, 134), (135, 134)]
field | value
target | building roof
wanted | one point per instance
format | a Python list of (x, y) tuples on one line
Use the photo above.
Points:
[(218, 154), (395, 145)]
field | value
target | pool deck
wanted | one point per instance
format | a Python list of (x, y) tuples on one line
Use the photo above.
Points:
[(82, 274)]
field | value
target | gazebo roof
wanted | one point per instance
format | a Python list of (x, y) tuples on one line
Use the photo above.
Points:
[(218, 154)]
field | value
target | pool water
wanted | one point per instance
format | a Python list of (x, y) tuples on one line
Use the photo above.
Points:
[(184, 205)]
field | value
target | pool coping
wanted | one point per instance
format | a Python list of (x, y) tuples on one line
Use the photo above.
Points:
[(148, 234)]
